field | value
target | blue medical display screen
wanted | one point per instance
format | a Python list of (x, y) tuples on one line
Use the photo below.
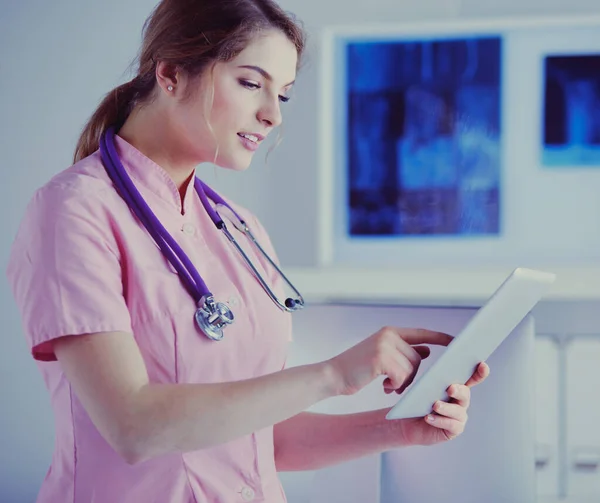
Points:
[(423, 136)]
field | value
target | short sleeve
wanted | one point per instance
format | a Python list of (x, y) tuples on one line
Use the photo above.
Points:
[(65, 271)]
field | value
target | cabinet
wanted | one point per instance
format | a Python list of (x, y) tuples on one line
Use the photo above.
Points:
[(568, 418), (547, 409), (582, 413)]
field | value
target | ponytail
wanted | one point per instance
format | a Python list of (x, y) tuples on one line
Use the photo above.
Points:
[(113, 111)]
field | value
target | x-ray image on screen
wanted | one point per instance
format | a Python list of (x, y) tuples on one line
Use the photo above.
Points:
[(423, 137), (572, 111)]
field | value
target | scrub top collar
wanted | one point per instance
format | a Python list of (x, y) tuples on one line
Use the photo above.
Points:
[(150, 176)]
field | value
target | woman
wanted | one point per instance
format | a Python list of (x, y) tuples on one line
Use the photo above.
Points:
[(147, 408)]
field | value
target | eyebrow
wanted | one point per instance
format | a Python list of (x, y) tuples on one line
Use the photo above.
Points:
[(263, 72)]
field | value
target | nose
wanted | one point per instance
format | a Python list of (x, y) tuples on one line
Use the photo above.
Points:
[(270, 113)]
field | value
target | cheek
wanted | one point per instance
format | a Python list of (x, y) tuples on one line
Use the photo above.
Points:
[(223, 116), (231, 106)]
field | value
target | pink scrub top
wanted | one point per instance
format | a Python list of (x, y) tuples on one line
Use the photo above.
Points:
[(82, 263)]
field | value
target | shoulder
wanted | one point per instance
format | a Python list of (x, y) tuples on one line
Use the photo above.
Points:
[(86, 177), (83, 188), (77, 205)]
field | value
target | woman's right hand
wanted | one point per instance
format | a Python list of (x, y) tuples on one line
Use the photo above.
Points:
[(392, 352)]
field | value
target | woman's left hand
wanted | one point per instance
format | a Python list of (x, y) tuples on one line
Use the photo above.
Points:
[(448, 419)]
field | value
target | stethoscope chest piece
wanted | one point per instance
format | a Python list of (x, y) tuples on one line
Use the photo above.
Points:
[(212, 317)]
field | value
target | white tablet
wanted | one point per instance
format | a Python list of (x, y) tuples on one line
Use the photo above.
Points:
[(492, 323)]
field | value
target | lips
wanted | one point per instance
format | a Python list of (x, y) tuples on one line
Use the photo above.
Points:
[(253, 137), (250, 141)]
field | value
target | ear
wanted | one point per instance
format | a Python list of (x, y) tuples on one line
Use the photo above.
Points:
[(167, 75)]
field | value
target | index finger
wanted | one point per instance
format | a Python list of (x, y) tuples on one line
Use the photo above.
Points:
[(423, 336)]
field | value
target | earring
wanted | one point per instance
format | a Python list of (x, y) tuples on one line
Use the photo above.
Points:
[(170, 88)]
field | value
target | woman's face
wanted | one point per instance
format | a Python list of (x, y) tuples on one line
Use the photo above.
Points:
[(237, 104)]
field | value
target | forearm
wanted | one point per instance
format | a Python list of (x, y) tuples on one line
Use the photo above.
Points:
[(311, 441), (185, 417)]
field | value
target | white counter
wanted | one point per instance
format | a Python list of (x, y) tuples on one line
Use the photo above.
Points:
[(440, 287)]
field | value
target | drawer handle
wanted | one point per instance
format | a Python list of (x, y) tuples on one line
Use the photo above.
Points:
[(587, 466), (543, 454), (586, 459)]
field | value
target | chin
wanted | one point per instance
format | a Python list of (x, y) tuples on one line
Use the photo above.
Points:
[(235, 163)]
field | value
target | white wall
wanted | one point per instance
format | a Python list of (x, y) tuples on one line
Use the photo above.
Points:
[(57, 60)]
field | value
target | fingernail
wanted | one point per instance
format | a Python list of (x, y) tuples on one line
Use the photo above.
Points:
[(430, 418)]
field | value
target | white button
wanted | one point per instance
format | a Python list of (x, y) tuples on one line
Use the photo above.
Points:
[(188, 229), (248, 493)]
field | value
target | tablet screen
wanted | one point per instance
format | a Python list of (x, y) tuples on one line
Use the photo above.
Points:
[(490, 325)]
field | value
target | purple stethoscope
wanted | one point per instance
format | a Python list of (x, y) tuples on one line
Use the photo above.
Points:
[(211, 316)]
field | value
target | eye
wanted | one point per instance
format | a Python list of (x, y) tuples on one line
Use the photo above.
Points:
[(253, 86), (249, 85)]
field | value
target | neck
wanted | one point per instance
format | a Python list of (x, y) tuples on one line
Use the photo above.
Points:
[(151, 135)]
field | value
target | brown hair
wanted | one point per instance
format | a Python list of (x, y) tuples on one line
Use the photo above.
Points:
[(190, 35)]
